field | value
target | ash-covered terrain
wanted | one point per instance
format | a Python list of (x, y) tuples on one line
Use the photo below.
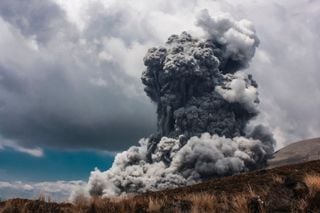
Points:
[(294, 153), (205, 101)]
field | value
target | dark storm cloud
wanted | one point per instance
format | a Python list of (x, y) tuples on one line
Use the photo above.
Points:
[(56, 94), (32, 17), (10, 81)]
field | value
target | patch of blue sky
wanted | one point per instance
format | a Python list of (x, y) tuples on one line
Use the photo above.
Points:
[(53, 165)]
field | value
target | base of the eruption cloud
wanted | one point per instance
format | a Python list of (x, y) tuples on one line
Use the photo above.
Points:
[(291, 188), (201, 158)]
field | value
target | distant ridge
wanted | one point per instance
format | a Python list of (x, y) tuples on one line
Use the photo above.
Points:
[(299, 152)]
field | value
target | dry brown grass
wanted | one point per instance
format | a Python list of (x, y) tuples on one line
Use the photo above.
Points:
[(278, 179), (155, 205), (313, 183), (202, 202), (28, 206), (296, 188), (193, 202), (300, 206), (240, 202)]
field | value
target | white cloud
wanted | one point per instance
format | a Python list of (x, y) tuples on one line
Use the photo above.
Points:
[(239, 89), (35, 152), (57, 191)]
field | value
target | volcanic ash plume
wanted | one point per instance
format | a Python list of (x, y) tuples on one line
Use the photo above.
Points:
[(204, 103)]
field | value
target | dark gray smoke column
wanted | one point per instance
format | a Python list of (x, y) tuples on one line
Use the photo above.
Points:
[(181, 79), (204, 103), (182, 76)]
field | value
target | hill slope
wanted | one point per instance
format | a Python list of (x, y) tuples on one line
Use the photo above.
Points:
[(286, 189), (299, 152)]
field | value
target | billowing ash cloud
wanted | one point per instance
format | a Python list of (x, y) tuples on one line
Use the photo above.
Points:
[(204, 103)]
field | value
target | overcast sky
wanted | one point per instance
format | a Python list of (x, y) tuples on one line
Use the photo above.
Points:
[(70, 71)]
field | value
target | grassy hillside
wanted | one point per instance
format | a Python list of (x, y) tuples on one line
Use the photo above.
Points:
[(294, 188)]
